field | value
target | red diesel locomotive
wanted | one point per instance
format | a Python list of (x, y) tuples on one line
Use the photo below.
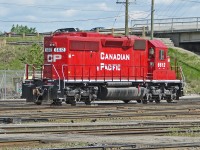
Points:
[(88, 66)]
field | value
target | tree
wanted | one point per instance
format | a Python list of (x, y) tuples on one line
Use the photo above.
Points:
[(34, 55), (19, 29)]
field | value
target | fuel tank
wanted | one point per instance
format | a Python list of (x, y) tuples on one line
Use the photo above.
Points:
[(121, 93)]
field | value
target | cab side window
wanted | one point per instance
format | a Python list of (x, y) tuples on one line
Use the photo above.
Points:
[(162, 54), (140, 45)]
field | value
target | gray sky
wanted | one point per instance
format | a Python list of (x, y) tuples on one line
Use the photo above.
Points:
[(49, 15)]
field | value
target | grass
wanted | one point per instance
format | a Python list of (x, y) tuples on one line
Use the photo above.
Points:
[(11, 55), (26, 39), (190, 64), (191, 132)]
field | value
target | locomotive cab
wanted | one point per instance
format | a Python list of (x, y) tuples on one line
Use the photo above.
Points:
[(167, 81), (159, 62)]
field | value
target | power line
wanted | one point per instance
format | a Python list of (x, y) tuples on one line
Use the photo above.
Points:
[(53, 7), (56, 21), (117, 17), (178, 9), (126, 2), (191, 1), (166, 10)]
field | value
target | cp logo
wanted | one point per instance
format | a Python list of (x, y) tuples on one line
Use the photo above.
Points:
[(53, 58)]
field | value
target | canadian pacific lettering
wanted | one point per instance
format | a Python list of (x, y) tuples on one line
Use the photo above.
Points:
[(104, 56), (112, 67)]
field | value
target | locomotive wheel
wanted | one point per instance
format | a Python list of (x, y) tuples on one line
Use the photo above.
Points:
[(57, 102), (126, 101), (67, 101), (151, 100), (144, 101), (169, 99), (87, 102), (157, 100), (177, 96), (139, 101), (72, 102), (38, 102)]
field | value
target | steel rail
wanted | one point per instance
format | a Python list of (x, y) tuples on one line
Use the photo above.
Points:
[(18, 142), (125, 130)]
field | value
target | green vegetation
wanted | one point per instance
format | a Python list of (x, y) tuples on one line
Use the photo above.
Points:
[(190, 64), (34, 55), (26, 39), (20, 29), (14, 57), (191, 132)]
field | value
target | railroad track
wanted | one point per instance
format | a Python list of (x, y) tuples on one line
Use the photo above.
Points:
[(87, 114), (110, 121), (147, 128), (138, 147), (182, 146), (101, 130), (19, 142)]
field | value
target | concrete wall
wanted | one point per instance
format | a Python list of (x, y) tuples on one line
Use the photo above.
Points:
[(173, 36), (192, 46), (190, 37), (189, 41), (186, 40)]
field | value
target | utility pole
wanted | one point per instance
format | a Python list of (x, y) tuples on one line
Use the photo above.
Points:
[(126, 19), (126, 16), (152, 19)]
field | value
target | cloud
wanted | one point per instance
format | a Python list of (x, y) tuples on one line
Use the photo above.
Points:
[(163, 1), (31, 18), (4, 11), (69, 13), (27, 2), (138, 14), (24, 2), (103, 6), (34, 11)]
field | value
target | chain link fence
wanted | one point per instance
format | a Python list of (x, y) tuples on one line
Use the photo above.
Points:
[(11, 84)]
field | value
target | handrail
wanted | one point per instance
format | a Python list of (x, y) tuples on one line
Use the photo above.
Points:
[(182, 76), (106, 74), (126, 73), (56, 74), (34, 68), (26, 72), (26, 75), (63, 72), (170, 23)]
